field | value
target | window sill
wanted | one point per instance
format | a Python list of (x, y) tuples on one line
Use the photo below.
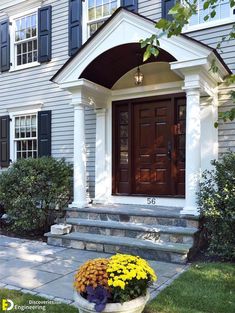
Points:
[(23, 67), (206, 25)]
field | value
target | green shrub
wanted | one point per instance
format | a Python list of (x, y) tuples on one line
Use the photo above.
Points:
[(34, 191), (217, 205)]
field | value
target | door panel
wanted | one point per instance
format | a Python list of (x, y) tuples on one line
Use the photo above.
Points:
[(152, 133)]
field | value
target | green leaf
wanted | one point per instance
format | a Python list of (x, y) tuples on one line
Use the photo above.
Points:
[(162, 24), (206, 5), (213, 14), (147, 55)]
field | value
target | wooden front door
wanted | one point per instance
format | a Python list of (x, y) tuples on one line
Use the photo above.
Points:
[(149, 146), (152, 148)]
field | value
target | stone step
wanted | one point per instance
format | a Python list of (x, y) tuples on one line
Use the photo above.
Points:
[(135, 214), (169, 252), (160, 233)]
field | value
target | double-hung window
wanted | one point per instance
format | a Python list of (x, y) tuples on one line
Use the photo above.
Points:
[(25, 136), (98, 11), (24, 40), (223, 13)]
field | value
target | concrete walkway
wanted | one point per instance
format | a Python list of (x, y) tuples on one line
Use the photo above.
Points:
[(36, 268)]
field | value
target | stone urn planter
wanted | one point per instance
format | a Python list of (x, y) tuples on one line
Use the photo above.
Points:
[(134, 306)]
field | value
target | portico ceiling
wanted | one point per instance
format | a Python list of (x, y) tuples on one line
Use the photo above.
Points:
[(112, 64)]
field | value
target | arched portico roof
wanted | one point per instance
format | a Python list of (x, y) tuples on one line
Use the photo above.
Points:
[(125, 29), (112, 64)]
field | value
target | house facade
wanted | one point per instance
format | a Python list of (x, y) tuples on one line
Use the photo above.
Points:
[(68, 90)]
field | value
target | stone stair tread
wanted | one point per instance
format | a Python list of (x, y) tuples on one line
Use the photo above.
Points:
[(133, 226), (135, 210), (125, 241)]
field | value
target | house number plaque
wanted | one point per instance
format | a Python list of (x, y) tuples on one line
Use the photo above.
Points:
[(151, 201)]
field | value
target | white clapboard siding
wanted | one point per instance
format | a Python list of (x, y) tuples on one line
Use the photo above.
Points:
[(33, 85)]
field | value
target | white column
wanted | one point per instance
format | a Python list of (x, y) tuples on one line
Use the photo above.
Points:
[(100, 156), (79, 176), (193, 150)]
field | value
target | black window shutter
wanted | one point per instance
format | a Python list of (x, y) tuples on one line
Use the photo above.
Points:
[(75, 26), (4, 46), (131, 5), (44, 34), (4, 141), (44, 133), (166, 6)]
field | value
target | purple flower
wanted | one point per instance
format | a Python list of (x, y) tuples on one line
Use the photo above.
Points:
[(99, 296)]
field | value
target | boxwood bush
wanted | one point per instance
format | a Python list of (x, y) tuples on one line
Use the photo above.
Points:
[(34, 191), (217, 206)]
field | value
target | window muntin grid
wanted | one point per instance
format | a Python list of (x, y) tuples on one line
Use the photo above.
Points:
[(222, 8), (98, 12), (25, 136), (26, 39)]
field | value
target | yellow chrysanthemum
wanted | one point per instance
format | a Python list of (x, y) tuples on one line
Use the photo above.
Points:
[(92, 273)]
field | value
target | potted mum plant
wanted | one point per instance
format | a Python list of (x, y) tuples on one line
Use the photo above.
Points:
[(114, 285)]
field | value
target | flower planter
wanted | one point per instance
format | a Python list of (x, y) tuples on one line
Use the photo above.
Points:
[(134, 306)]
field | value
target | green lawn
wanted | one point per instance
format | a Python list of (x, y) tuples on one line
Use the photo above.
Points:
[(205, 288), (23, 300)]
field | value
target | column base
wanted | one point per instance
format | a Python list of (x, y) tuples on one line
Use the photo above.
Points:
[(79, 205), (190, 210)]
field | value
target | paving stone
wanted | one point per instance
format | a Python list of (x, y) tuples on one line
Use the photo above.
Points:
[(93, 216), (94, 247), (44, 295), (61, 288), (59, 266), (54, 241), (29, 292), (15, 267), (103, 217), (22, 253), (79, 255), (10, 241), (113, 217), (74, 244), (30, 278), (66, 301), (192, 223)]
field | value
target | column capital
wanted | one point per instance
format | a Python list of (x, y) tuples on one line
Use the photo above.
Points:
[(100, 110), (81, 101), (196, 89)]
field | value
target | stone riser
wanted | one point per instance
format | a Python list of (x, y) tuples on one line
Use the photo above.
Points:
[(150, 220), (150, 236), (100, 247)]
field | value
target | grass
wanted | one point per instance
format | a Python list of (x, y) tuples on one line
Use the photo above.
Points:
[(204, 288), (21, 299)]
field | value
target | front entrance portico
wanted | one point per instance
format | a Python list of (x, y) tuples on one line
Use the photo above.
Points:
[(191, 62)]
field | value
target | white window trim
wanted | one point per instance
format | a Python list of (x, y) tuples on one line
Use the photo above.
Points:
[(210, 24), (12, 19), (85, 21), (12, 115)]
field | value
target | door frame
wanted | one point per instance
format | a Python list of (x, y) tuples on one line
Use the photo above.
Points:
[(131, 102)]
